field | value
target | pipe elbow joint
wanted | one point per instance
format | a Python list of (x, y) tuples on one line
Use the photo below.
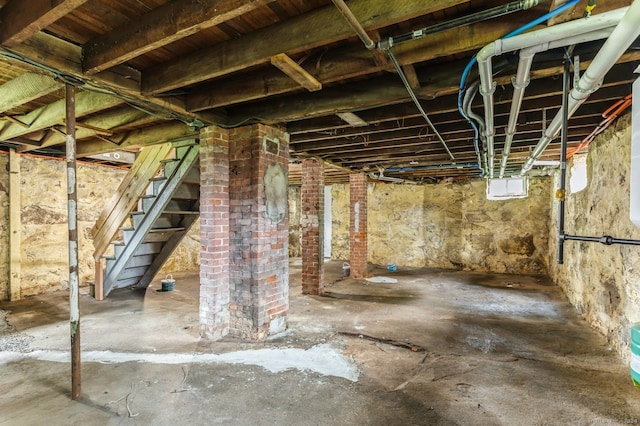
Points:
[(489, 51)]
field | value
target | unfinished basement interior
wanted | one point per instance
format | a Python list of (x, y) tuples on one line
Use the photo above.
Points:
[(320, 212)]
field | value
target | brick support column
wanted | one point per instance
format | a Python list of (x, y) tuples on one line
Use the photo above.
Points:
[(214, 232), (259, 231), (358, 225), (312, 226)]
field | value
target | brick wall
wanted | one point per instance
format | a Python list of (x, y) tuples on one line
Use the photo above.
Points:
[(358, 225), (214, 232), (312, 225), (259, 270)]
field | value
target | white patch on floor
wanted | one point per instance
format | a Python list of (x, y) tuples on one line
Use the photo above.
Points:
[(382, 280), (322, 359)]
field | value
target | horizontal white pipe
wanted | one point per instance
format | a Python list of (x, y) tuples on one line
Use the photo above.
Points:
[(625, 33)]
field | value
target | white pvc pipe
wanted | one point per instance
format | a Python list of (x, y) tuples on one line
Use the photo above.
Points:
[(546, 35), (625, 33), (521, 80)]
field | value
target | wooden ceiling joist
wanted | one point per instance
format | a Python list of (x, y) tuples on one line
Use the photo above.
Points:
[(302, 33), (52, 114), (166, 132), (20, 20), (347, 63)]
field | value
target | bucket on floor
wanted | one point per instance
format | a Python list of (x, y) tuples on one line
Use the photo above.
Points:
[(635, 353), (346, 269), (168, 283)]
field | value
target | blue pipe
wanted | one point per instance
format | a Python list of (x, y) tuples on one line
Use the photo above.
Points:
[(474, 59), (432, 167)]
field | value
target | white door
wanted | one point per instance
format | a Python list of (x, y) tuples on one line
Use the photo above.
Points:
[(327, 222)]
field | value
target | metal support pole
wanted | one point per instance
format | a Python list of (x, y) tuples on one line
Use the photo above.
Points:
[(560, 194), (72, 211)]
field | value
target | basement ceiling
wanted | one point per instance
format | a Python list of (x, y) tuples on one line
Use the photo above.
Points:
[(148, 71)]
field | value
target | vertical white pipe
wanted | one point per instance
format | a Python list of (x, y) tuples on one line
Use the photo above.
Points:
[(618, 42)]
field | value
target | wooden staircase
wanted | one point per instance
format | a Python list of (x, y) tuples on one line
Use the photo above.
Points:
[(153, 209)]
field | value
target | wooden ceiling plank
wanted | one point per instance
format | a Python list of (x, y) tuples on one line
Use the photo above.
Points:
[(161, 26), (298, 74), (302, 33), (166, 132), (52, 114), (25, 88), (19, 21)]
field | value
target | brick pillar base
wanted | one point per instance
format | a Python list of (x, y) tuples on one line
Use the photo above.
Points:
[(312, 226), (358, 225), (214, 232), (259, 231)]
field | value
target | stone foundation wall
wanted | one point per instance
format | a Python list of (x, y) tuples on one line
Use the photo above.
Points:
[(295, 208), (339, 221), (451, 226), (602, 282), (44, 223), (4, 226)]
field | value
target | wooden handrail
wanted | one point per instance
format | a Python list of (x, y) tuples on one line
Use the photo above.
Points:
[(126, 197)]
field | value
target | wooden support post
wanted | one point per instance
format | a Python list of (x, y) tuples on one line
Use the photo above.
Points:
[(15, 233), (98, 283), (72, 210)]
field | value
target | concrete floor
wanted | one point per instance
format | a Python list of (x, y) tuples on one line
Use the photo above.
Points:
[(434, 348)]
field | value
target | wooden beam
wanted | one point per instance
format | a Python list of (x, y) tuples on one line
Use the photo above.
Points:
[(19, 21), (161, 26), (444, 80), (166, 132), (296, 72), (25, 88), (316, 28), (15, 227), (346, 63), (52, 114), (112, 121), (65, 57), (412, 77)]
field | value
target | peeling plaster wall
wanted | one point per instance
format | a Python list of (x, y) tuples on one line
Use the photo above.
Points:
[(450, 226), (4, 226), (602, 282), (295, 236), (44, 224)]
